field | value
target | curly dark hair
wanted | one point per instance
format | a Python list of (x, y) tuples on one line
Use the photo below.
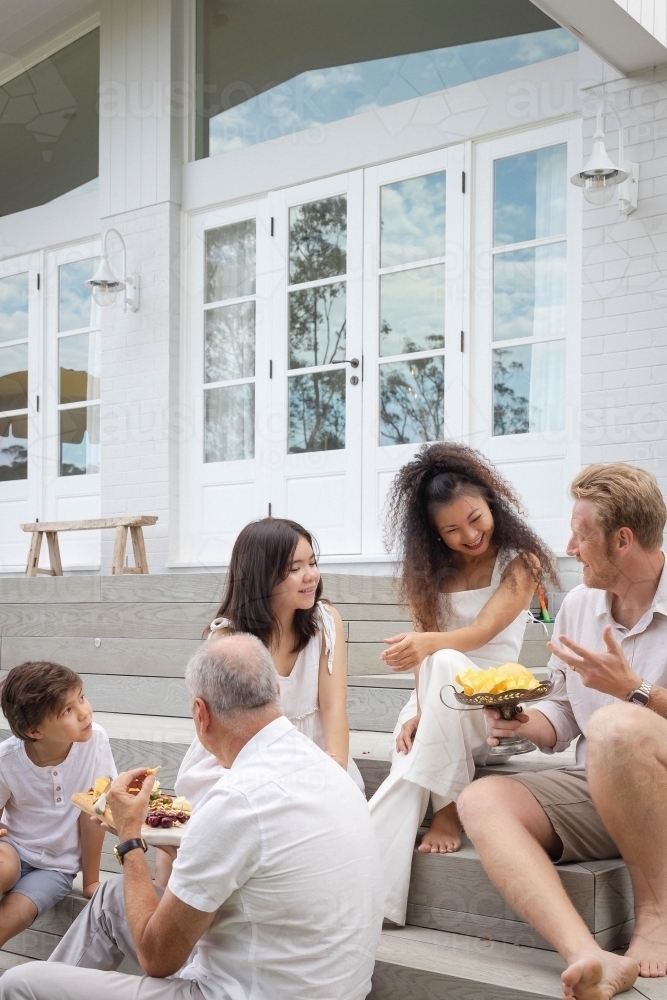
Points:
[(439, 474)]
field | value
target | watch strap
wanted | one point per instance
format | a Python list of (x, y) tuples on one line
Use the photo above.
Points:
[(120, 850), (641, 695)]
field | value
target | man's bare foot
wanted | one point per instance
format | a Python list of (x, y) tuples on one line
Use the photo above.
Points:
[(444, 835), (598, 977), (649, 945)]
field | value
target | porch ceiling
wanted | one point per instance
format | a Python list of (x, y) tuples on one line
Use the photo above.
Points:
[(30, 30), (607, 28)]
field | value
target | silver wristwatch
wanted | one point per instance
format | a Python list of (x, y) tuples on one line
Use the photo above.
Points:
[(641, 695)]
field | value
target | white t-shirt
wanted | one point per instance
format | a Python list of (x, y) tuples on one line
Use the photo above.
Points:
[(583, 617), (38, 814), (283, 848)]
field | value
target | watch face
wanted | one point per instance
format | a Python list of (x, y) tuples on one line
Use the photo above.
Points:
[(639, 698)]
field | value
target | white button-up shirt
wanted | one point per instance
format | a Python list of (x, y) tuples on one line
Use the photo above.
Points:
[(38, 814), (583, 617), (283, 849)]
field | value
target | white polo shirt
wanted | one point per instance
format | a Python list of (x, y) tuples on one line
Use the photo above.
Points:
[(283, 849), (583, 617), (38, 814)]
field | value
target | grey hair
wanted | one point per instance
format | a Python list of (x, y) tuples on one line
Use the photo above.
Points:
[(232, 673)]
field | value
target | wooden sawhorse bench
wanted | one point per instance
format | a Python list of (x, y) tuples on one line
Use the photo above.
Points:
[(121, 524)]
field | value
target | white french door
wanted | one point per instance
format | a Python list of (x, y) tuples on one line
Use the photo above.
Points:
[(527, 316), (225, 480), (414, 315), (325, 348), (70, 400), (316, 359)]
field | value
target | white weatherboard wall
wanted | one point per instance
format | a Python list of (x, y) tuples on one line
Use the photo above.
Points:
[(141, 155), (624, 322), (651, 14)]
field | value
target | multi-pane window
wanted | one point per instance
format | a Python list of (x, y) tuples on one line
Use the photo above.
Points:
[(529, 291), (229, 342), (14, 377), (412, 310), (317, 325), (78, 371)]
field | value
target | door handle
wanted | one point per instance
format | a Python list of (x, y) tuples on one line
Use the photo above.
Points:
[(353, 362)]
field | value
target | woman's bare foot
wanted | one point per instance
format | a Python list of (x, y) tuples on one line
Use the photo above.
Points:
[(444, 835), (598, 977), (649, 945)]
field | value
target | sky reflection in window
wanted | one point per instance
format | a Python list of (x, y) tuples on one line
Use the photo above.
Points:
[(327, 95)]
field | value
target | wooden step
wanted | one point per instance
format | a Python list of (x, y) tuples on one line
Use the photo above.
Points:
[(451, 892), (414, 964)]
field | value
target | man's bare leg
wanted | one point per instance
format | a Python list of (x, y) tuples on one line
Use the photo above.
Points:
[(506, 823), (626, 764)]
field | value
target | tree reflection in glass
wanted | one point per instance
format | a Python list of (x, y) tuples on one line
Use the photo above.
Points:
[(316, 412), (412, 398), (317, 325), (318, 240), (511, 390)]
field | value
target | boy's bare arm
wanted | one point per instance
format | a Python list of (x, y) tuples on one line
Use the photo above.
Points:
[(92, 838)]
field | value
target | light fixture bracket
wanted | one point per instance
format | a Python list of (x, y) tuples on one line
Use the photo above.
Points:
[(602, 175), (105, 279)]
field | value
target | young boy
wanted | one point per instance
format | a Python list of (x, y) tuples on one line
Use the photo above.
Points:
[(56, 750)]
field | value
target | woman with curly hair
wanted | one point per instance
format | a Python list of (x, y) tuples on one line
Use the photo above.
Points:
[(469, 567)]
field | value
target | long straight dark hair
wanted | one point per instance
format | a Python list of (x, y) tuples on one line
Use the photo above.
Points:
[(261, 559)]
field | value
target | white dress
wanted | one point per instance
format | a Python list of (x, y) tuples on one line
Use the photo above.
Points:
[(299, 695), (447, 746)]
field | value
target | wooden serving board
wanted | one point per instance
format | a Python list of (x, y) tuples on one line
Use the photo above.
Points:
[(84, 802), (157, 836)]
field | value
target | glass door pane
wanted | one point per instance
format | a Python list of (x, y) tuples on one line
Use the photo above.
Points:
[(229, 341), (529, 291), (412, 309), (14, 299), (317, 323)]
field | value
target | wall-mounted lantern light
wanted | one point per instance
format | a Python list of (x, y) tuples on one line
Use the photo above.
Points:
[(106, 285), (600, 177)]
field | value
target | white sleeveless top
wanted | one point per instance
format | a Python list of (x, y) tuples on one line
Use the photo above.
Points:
[(299, 695), (466, 605)]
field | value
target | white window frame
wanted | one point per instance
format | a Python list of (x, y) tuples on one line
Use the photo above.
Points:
[(520, 447)]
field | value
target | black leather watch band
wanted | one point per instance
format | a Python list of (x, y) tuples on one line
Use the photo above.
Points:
[(120, 850)]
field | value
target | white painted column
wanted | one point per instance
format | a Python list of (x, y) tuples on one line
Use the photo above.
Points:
[(141, 156)]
